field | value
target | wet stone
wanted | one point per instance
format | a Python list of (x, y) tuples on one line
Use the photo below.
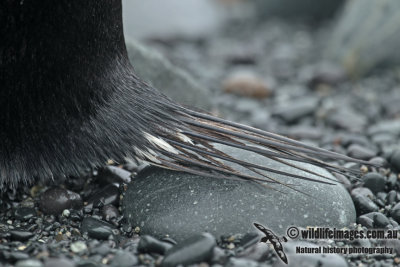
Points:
[(124, 259), (149, 244), (394, 160), (24, 213), (107, 195), (59, 262), (55, 200), (29, 263), (20, 235), (360, 152), (366, 221), (112, 174), (196, 249), (164, 202), (374, 181), (364, 204), (392, 197), (233, 262), (97, 228), (396, 212), (292, 112), (379, 219), (362, 191)]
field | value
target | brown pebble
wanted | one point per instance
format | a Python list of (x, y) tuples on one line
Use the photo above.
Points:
[(246, 84)]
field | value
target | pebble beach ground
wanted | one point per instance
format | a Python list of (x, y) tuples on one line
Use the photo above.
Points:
[(267, 74)]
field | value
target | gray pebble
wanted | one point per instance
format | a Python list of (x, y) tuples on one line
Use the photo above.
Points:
[(196, 249)]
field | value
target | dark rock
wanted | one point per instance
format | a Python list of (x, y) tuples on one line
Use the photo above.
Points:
[(179, 204), (97, 228), (106, 196), (360, 152), (249, 240), (364, 204), (124, 259), (366, 221), (392, 197), (363, 191), (379, 219), (24, 213), (149, 244), (59, 262), (196, 249), (347, 119), (17, 256), (300, 108), (374, 181), (387, 126), (112, 174), (395, 213), (394, 160), (379, 161), (20, 235), (55, 200)]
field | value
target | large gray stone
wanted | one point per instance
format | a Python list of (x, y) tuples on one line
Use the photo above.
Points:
[(366, 36), (155, 69), (164, 202)]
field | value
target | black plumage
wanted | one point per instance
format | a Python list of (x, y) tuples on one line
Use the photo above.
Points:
[(70, 99)]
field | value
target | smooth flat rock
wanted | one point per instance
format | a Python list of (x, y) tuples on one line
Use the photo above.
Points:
[(164, 202)]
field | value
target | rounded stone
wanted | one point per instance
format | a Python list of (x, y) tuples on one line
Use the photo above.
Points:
[(162, 202)]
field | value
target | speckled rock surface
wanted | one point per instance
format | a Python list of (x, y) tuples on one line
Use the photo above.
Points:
[(167, 202)]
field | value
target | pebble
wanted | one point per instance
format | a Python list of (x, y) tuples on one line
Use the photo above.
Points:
[(29, 263), (97, 228), (107, 195), (20, 235), (379, 220), (196, 249), (112, 174), (233, 262), (58, 262), (363, 191), (392, 197), (124, 259), (364, 204), (297, 109), (394, 160), (374, 181), (24, 213), (78, 247), (395, 213), (246, 84), (360, 152), (55, 200), (366, 221), (149, 244), (347, 119)]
